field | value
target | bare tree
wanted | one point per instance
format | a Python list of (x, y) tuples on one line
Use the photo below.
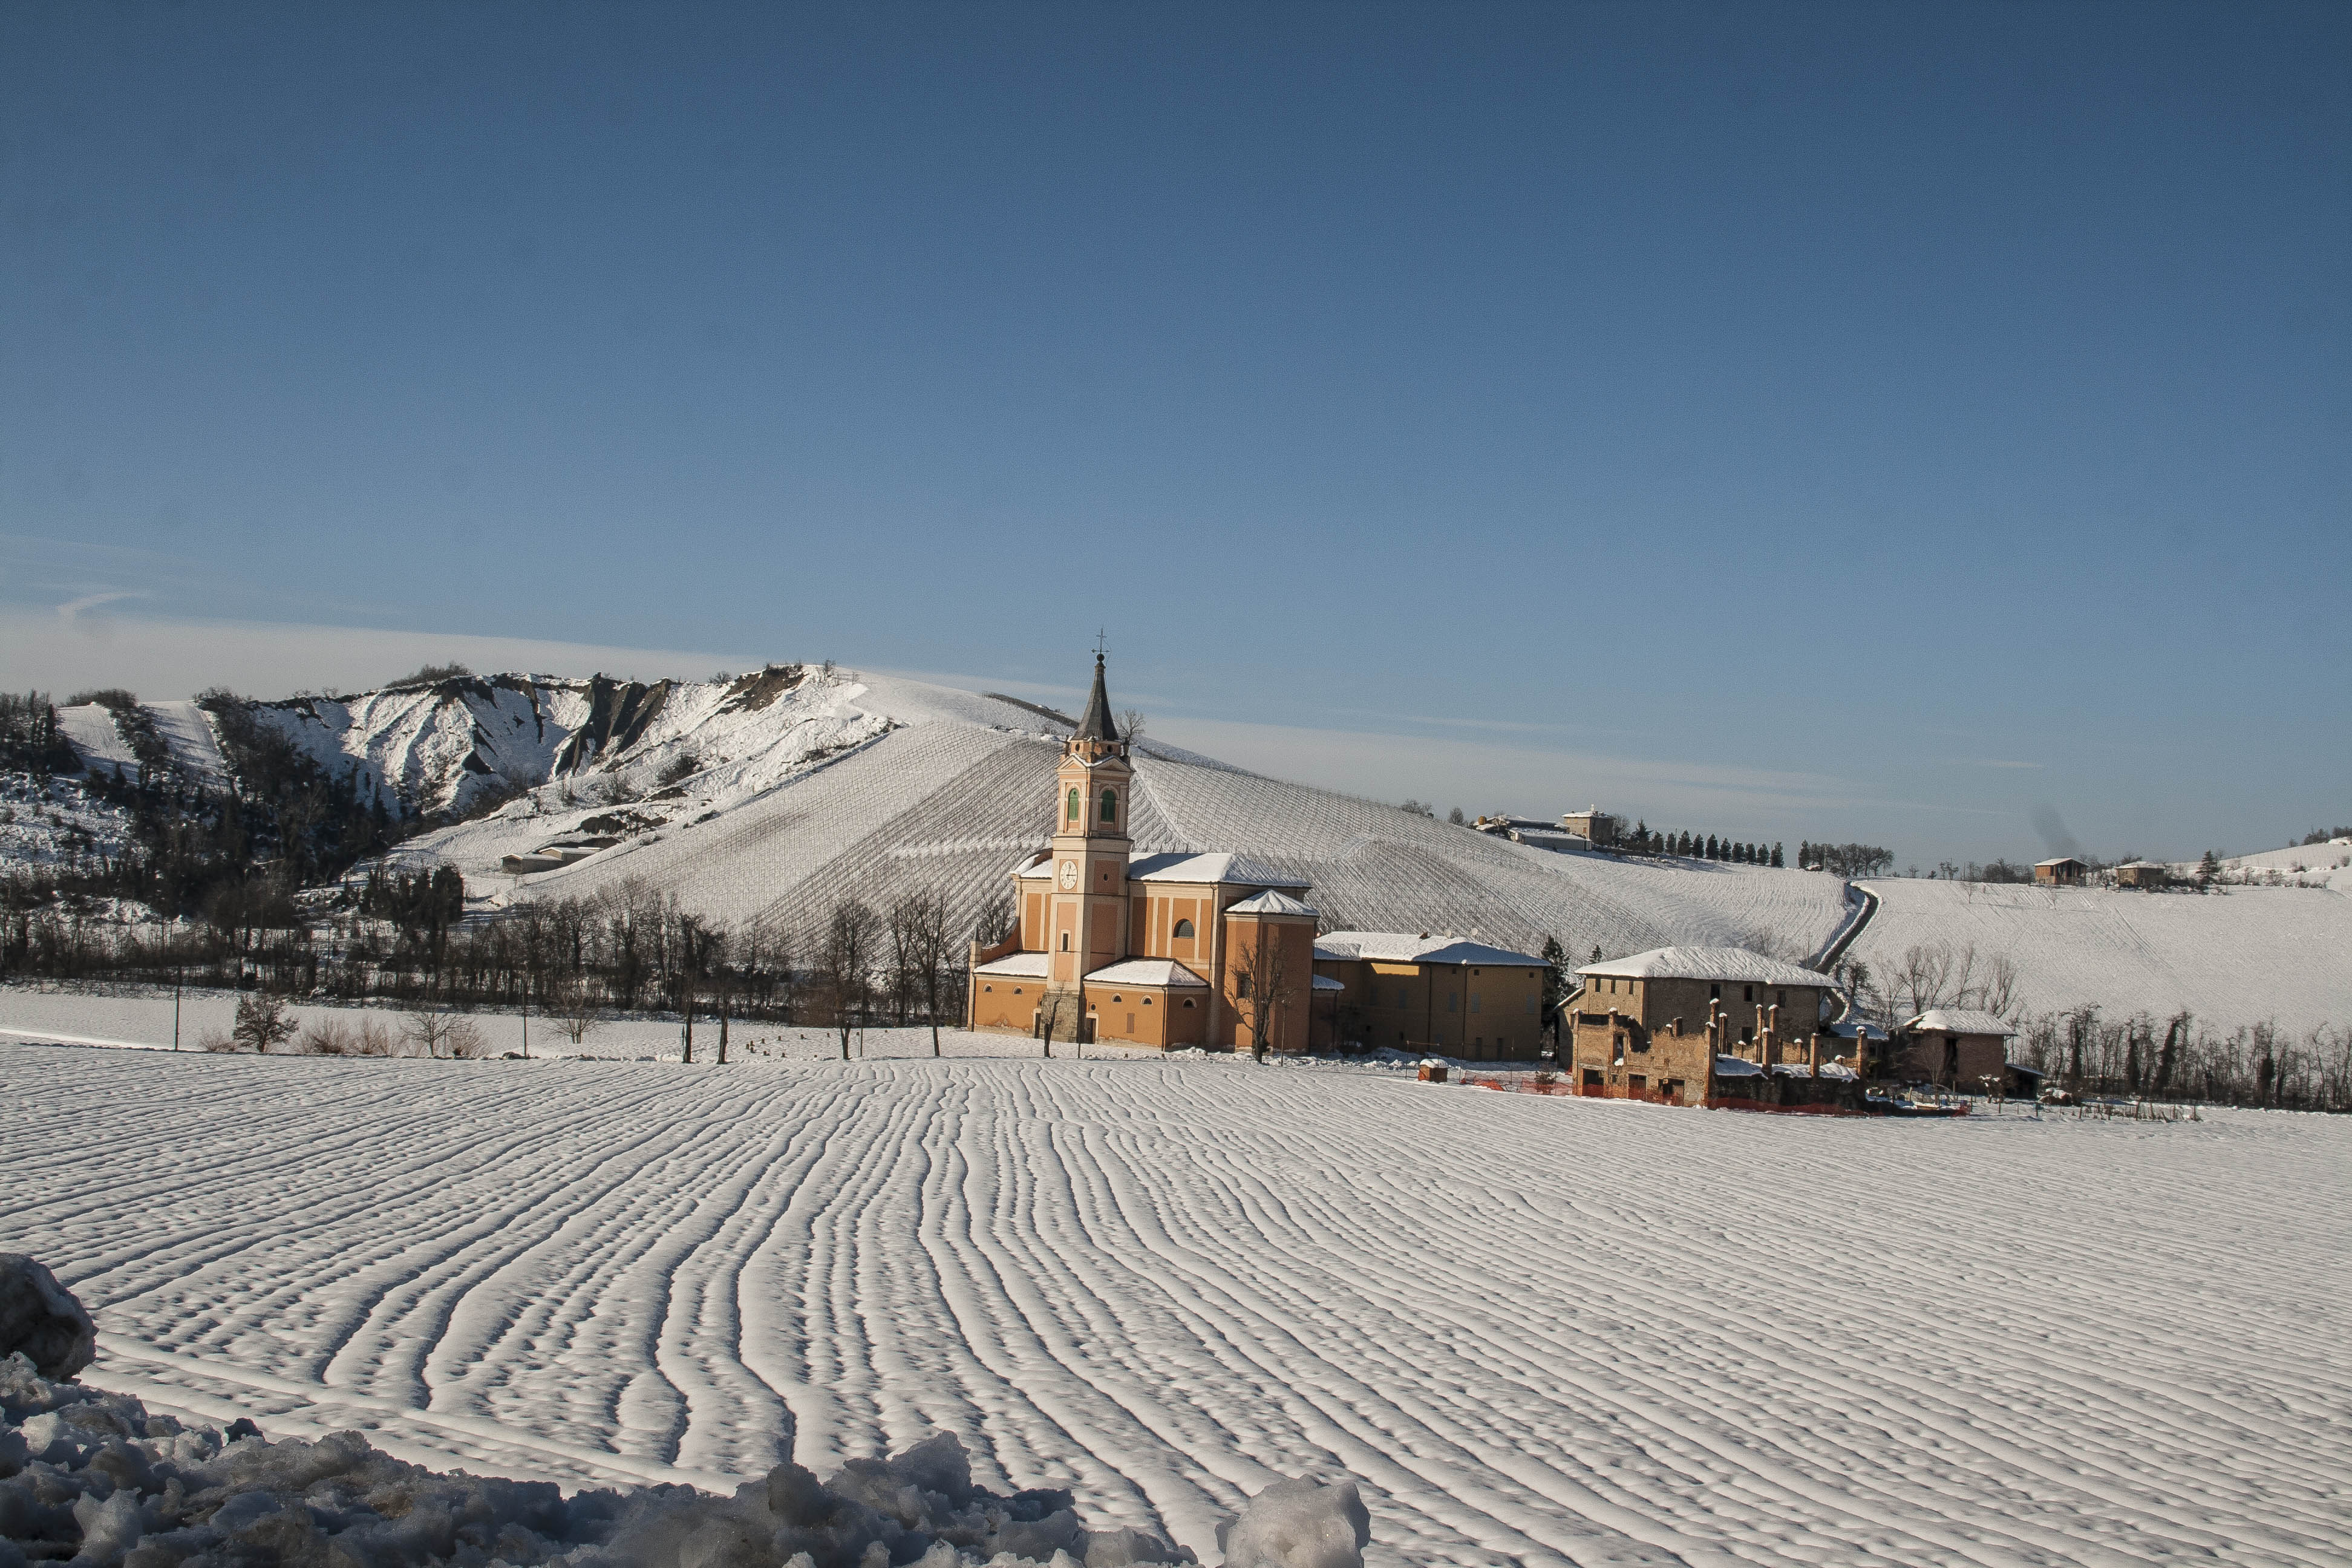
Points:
[(444, 1033), (574, 1008), (918, 953), (261, 1022), (845, 966), (1131, 726), (1919, 980), (1262, 988)]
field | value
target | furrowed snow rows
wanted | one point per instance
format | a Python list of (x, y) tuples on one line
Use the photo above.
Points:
[(1546, 1331)]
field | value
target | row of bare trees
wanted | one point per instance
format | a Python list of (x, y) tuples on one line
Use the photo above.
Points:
[(574, 962)]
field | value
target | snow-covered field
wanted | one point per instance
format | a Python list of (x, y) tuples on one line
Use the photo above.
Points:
[(1535, 1330), (2236, 957)]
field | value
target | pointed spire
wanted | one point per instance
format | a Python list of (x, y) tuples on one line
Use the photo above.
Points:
[(1096, 724)]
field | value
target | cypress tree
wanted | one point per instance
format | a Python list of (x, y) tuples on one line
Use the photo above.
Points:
[(1777, 863), (1714, 851)]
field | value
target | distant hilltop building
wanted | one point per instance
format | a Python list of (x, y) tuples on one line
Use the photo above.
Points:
[(1212, 949), (1594, 826), (2062, 871)]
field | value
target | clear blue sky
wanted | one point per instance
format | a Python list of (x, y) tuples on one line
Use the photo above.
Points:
[(1877, 421)]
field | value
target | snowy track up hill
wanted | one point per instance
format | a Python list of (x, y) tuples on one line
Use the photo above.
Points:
[(1543, 1332)]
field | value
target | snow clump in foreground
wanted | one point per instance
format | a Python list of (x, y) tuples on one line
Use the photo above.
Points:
[(93, 1477)]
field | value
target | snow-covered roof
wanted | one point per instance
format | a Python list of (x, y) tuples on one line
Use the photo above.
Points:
[(1959, 1021), (1324, 983), (1042, 866), (1146, 972), (1850, 1025), (1737, 1066), (1029, 965), (1735, 963), (1215, 867), (2060, 860), (1271, 902), (1404, 947)]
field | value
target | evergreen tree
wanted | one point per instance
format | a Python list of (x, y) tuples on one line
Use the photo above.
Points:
[(1776, 862), (1805, 854), (1712, 852)]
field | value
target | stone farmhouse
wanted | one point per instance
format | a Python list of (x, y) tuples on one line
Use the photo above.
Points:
[(1212, 950), (1670, 1023)]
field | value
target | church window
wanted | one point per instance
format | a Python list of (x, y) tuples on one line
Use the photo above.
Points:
[(1147, 1001), (1188, 1001), (1241, 987), (1184, 931), (1074, 803), (988, 988), (1110, 805), (1065, 942)]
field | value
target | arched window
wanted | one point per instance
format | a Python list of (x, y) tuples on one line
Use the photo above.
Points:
[(1184, 931), (1065, 942), (1074, 803), (1110, 805)]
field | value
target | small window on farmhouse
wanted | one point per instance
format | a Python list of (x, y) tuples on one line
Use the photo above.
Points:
[(1117, 997), (1016, 991), (1188, 1001), (1474, 1000), (1714, 992), (1147, 1001), (988, 988), (1779, 998), (1110, 805), (1748, 993), (1184, 931), (1074, 803), (1450, 1000)]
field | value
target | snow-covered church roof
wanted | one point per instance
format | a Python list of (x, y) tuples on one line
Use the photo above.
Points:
[(1182, 865), (1271, 902), (1404, 947)]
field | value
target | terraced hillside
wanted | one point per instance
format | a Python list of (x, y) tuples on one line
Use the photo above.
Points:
[(956, 807), (2244, 956)]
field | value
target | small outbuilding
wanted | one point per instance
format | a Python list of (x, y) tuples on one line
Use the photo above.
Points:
[(2063, 871), (1953, 1049), (2152, 875)]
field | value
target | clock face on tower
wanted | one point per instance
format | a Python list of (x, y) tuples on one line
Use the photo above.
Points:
[(1069, 875)]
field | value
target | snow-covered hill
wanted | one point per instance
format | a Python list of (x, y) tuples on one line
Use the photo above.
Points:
[(2240, 956), (868, 787), (770, 796)]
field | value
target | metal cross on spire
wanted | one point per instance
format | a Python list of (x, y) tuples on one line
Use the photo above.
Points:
[(1102, 645)]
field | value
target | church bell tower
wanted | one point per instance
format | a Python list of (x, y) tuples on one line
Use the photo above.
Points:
[(1087, 922)]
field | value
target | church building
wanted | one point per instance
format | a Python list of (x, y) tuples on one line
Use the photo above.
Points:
[(1168, 949)]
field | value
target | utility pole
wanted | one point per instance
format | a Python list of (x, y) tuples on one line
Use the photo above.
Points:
[(177, 961)]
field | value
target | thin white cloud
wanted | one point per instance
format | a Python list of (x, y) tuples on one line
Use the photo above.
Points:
[(71, 609)]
